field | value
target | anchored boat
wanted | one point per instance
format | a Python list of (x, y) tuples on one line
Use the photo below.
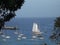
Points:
[(10, 28), (35, 30)]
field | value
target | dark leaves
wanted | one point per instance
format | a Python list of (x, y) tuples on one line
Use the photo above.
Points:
[(1, 22), (57, 22), (0, 11), (9, 16), (7, 10), (11, 5)]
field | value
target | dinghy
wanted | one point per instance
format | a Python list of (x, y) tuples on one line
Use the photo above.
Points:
[(24, 37), (18, 38), (7, 37)]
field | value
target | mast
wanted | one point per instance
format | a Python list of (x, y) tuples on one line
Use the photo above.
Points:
[(35, 28)]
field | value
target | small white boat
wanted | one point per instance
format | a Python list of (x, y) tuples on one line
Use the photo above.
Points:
[(21, 34), (16, 33), (35, 30), (18, 38), (34, 37), (7, 37), (41, 38), (24, 37)]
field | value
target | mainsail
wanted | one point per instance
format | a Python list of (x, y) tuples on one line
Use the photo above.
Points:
[(35, 29)]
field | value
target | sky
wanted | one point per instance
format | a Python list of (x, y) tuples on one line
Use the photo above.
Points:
[(39, 8)]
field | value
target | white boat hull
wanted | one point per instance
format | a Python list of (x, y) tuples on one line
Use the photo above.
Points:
[(35, 30)]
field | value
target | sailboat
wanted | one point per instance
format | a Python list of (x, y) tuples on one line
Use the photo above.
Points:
[(35, 30)]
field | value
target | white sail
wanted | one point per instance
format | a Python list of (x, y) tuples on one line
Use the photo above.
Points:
[(35, 29)]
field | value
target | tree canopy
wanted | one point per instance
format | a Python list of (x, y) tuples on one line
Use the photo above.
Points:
[(7, 10), (57, 22), (11, 5)]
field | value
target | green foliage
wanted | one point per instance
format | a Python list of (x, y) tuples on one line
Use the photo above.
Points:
[(57, 22), (11, 5), (7, 10)]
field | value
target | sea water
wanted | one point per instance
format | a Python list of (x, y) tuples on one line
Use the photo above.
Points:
[(46, 25)]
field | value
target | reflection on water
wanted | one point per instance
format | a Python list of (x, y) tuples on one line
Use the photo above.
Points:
[(20, 39), (24, 35)]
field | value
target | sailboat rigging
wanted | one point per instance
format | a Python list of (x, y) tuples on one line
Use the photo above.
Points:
[(36, 30)]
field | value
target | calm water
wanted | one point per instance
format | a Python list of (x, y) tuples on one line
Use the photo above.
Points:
[(25, 27)]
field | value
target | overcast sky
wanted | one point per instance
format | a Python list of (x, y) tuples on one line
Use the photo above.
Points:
[(39, 8)]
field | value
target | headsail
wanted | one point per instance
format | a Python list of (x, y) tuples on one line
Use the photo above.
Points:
[(35, 29)]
